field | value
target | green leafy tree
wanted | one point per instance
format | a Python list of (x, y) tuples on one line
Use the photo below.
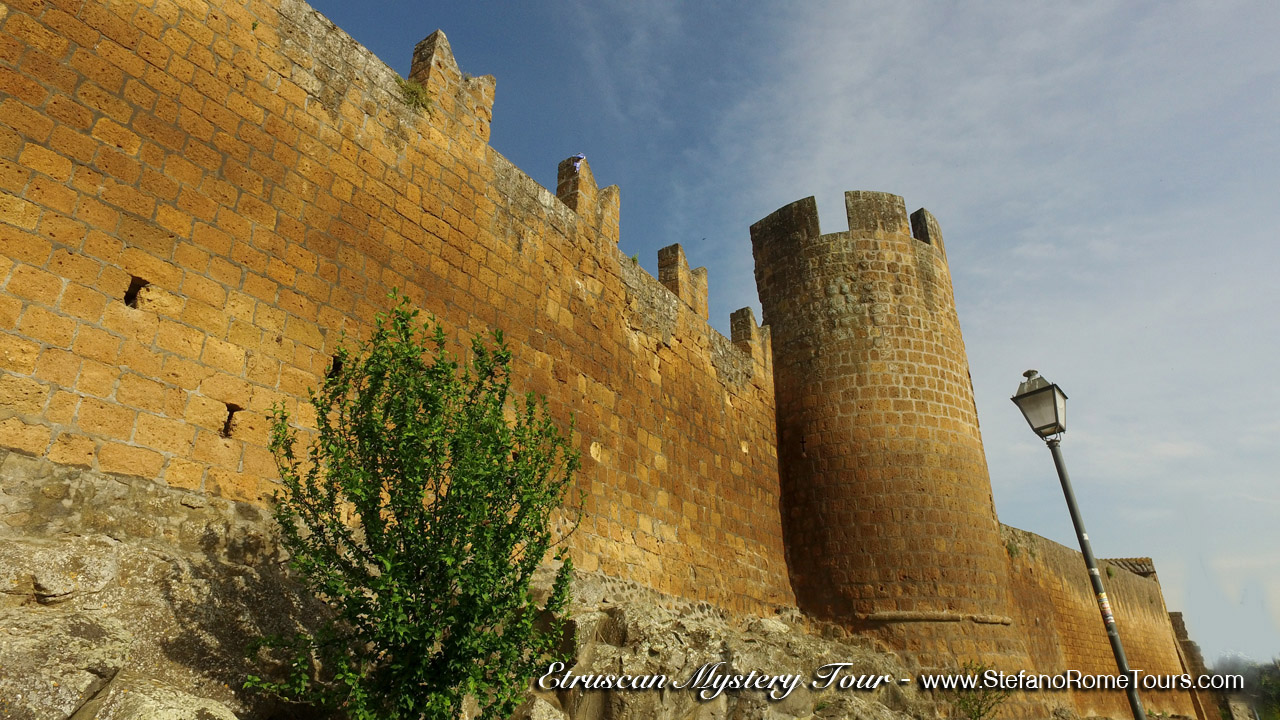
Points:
[(419, 515), (978, 702), (1261, 689), (1269, 691)]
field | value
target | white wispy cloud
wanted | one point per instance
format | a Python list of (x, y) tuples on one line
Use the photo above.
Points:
[(626, 47)]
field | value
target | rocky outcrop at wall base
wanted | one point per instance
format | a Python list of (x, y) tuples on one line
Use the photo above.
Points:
[(121, 598), (55, 658), (622, 629)]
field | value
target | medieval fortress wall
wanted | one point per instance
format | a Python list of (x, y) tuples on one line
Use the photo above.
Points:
[(198, 198), (201, 198)]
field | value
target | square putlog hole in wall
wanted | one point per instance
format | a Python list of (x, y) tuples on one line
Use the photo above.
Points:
[(135, 286), (229, 424)]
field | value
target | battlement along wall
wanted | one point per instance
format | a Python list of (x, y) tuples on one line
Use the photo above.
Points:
[(198, 198), (1059, 617)]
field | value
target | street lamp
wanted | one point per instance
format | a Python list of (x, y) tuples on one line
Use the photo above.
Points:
[(1044, 405)]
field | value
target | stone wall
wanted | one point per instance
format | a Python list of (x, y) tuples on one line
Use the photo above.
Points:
[(200, 197), (1059, 616), (1209, 704)]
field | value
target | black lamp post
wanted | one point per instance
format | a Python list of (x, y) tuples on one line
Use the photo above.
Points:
[(1044, 405)]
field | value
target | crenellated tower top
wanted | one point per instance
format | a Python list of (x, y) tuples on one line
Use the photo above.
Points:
[(869, 214)]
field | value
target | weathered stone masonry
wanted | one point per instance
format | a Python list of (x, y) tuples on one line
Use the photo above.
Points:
[(888, 511), (198, 198)]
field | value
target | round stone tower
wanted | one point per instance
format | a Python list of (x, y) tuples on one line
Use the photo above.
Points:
[(887, 510)]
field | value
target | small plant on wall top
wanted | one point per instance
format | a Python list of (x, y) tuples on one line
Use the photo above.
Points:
[(414, 94), (419, 515)]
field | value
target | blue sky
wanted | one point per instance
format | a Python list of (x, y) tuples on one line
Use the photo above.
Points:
[(1107, 178)]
